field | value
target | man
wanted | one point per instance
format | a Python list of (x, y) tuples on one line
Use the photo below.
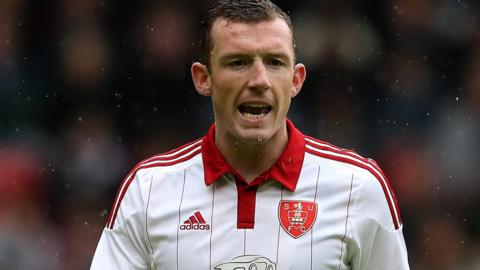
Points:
[(254, 193)]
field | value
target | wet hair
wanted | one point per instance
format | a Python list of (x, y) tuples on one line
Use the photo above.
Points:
[(244, 11)]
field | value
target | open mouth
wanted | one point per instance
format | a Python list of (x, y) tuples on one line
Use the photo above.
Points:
[(254, 111)]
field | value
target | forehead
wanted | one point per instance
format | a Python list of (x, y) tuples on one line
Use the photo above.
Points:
[(258, 37)]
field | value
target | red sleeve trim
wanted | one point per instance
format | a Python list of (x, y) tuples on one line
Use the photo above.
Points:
[(326, 150), (170, 158)]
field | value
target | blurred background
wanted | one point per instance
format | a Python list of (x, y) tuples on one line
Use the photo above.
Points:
[(88, 88)]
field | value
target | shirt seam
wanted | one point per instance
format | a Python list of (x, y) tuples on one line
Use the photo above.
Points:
[(152, 251)]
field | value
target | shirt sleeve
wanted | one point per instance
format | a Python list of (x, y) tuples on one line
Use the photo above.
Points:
[(123, 244), (377, 241)]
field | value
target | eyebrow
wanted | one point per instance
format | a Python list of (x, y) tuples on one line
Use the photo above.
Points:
[(230, 56)]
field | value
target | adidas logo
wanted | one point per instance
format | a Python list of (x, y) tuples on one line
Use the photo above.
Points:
[(195, 222)]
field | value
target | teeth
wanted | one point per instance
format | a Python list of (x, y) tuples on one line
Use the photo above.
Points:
[(254, 116), (254, 111), (256, 105)]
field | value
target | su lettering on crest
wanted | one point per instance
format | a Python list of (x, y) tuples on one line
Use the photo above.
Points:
[(297, 217)]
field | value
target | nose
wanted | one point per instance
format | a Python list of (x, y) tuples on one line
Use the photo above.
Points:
[(259, 79)]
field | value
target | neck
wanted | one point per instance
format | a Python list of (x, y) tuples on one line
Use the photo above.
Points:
[(250, 160)]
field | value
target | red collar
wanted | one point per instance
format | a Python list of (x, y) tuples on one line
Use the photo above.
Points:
[(286, 170)]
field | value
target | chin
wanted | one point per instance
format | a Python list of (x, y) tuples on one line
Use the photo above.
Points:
[(255, 137)]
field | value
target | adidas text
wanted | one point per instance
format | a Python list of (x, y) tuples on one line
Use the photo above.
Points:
[(187, 227)]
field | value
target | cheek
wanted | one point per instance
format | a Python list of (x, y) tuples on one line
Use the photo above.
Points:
[(286, 104), (222, 99), (285, 91), (225, 90)]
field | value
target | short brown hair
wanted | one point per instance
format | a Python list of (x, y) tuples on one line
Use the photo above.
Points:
[(246, 11)]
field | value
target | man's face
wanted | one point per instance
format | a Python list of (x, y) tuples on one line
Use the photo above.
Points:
[(252, 78)]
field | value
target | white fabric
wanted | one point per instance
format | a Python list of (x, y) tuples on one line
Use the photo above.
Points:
[(353, 228)]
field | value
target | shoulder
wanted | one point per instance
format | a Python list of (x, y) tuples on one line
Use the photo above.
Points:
[(136, 183), (174, 160), (335, 156), (372, 193)]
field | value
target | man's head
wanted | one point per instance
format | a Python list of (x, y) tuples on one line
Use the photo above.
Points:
[(244, 11), (252, 75)]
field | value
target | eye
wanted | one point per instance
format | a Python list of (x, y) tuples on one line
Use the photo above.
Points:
[(275, 62), (237, 63)]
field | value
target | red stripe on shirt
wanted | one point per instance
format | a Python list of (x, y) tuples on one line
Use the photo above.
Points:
[(150, 163), (338, 150), (360, 163)]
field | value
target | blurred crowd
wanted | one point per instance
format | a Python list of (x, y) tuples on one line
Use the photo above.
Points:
[(90, 87)]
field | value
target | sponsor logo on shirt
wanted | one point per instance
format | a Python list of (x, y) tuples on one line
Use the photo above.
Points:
[(297, 217), (247, 262), (195, 222)]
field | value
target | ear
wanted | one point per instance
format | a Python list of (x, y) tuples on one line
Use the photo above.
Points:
[(201, 79), (298, 78)]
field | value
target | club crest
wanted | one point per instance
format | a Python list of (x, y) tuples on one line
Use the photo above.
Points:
[(297, 217)]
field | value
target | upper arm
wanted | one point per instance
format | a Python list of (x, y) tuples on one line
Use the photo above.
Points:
[(123, 241), (375, 227)]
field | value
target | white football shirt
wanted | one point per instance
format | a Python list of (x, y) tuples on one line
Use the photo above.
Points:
[(317, 207)]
